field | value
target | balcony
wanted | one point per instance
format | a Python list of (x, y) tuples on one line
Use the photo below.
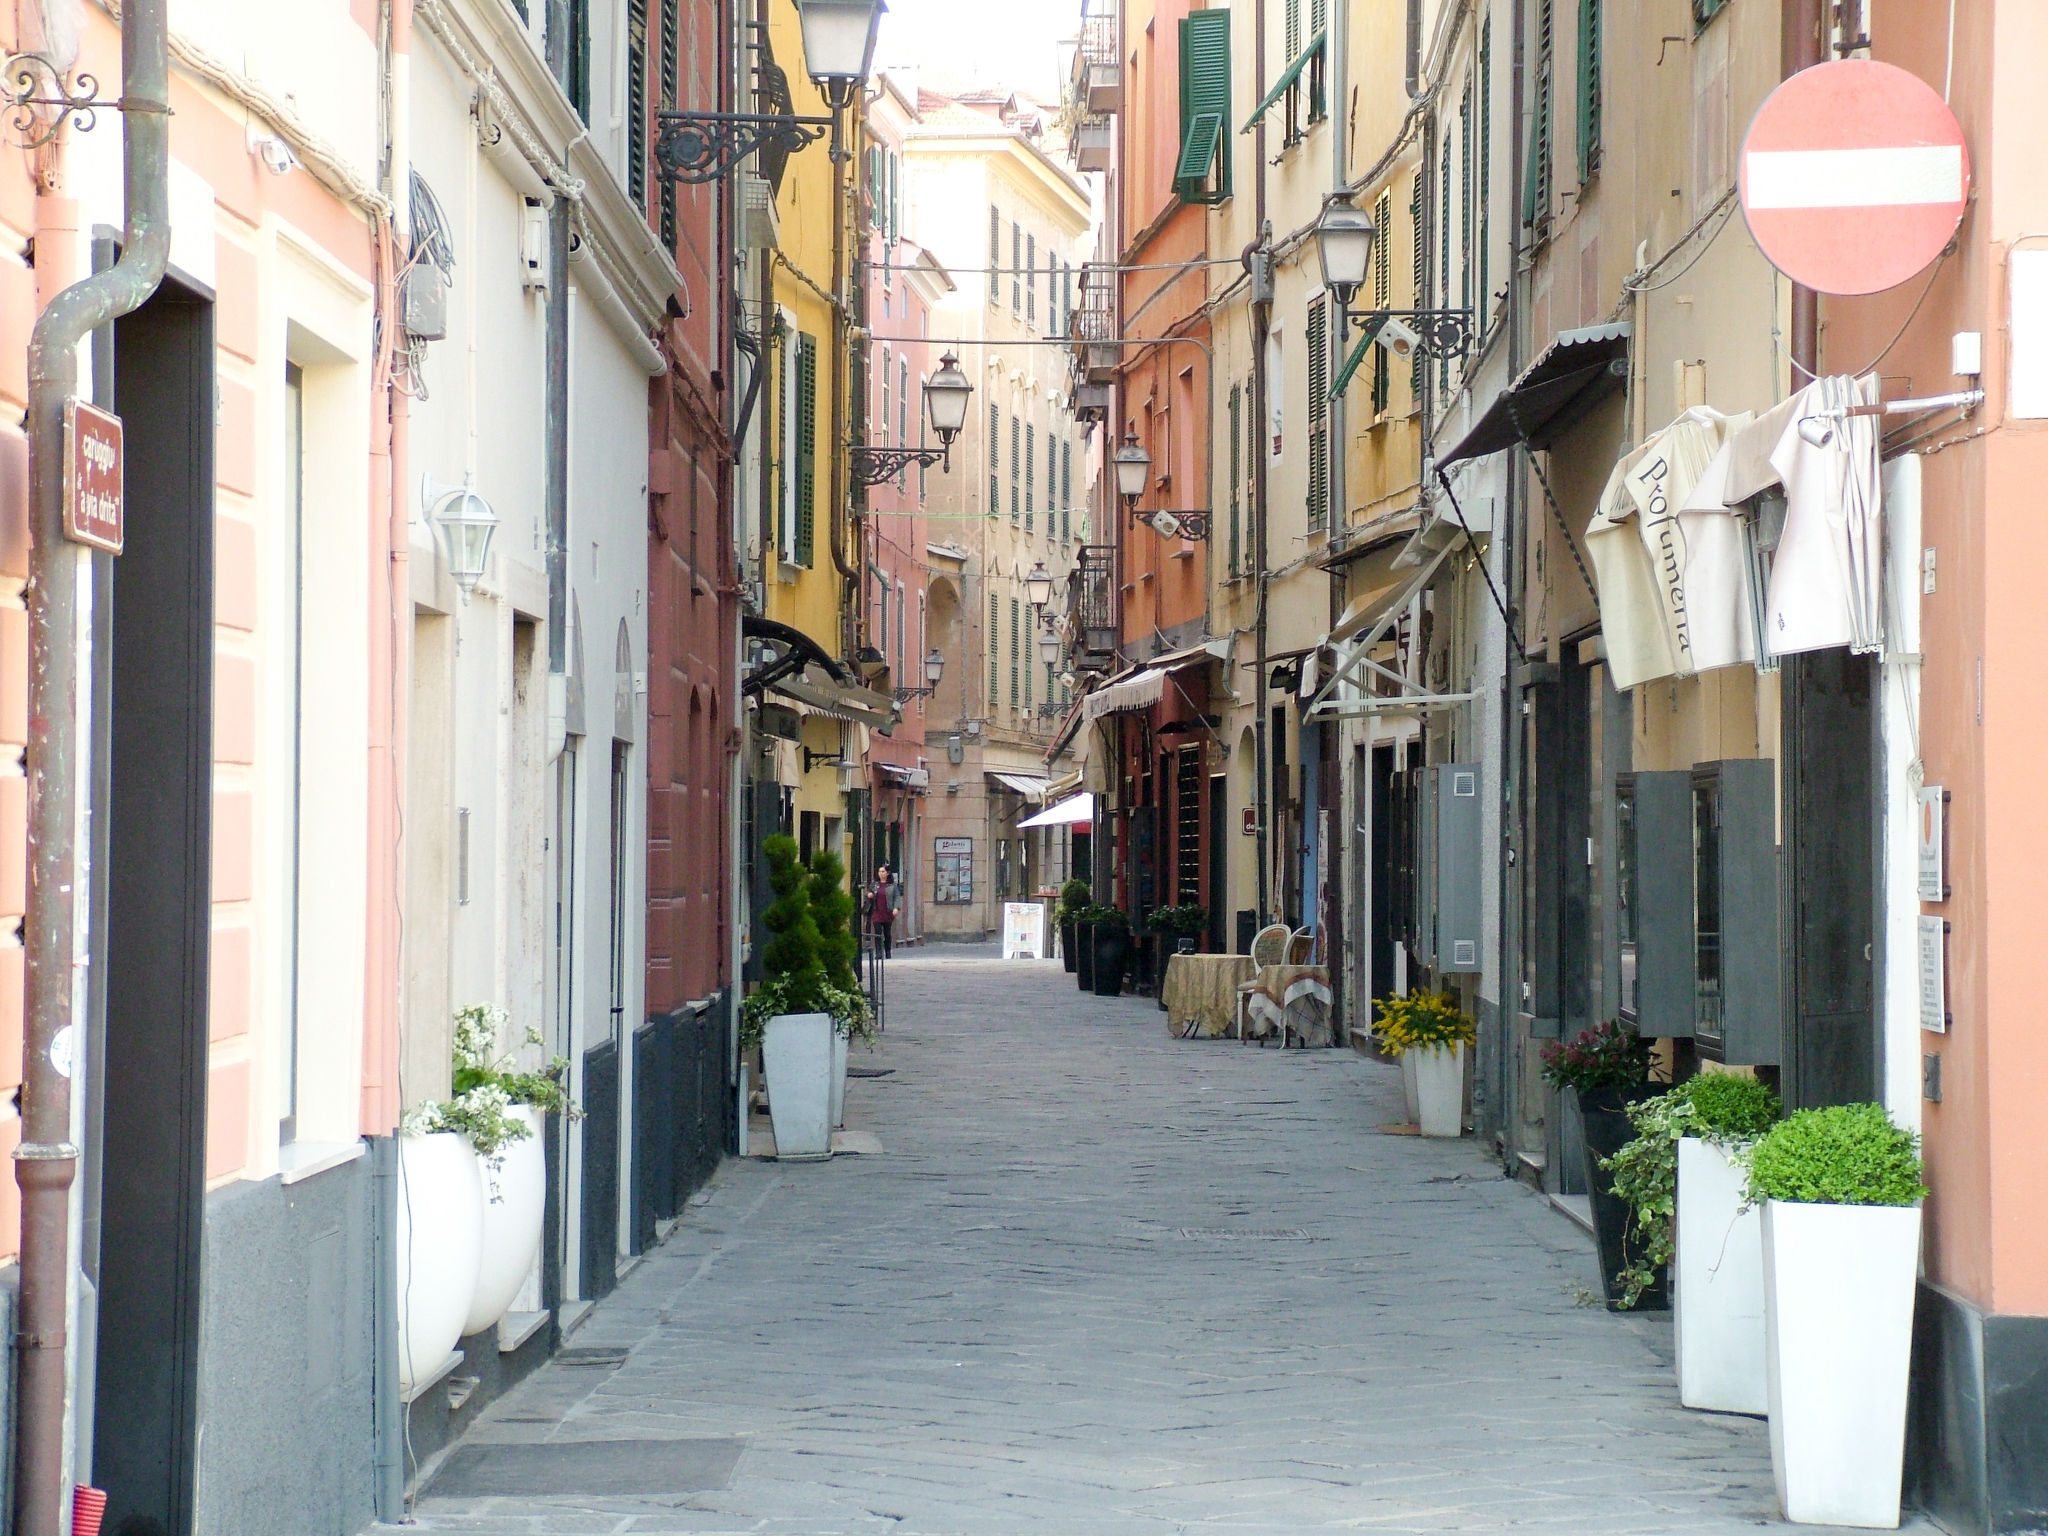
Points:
[(1094, 609), (1094, 141), (1096, 350)]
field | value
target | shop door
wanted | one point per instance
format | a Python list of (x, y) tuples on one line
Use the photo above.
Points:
[(159, 792), (1830, 755), (1558, 959), (1382, 916)]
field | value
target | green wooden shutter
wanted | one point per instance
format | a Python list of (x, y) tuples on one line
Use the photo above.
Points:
[(806, 445), (1589, 88), (995, 646), (1291, 41), (995, 466), (995, 254), (1015, 452), (1536, 184), (1030, 475), (1013, 653), (1382, 298), (1031, 279), (636, 101), (1016, 268), (1204, 107), (1318, 338), (1485, 309), (1465, 228), (671, 31), (1443, 242), (1416, 195), (1066, 491)]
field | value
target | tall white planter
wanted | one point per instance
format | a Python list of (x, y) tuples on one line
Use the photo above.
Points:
[(1838, 1289), (796, 1054), (515, 1199), (1439, 1088), (841, 1046), (1718, 1285), (440, 1249), (1408, 1089)]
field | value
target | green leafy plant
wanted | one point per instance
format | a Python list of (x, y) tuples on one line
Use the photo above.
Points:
[(1421, 1019), (1718, 1107), (1846, 1154), (1104, 917), (1074, 897), (832, 914), (479, 1063), (482, 1117), (1189, 921), (1604, 1056)]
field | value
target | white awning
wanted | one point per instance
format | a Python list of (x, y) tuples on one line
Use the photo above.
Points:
[(1141, 690), (1032, 789), (1074, 811), (841, 701)]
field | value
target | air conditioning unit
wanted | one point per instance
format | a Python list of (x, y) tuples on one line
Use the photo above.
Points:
[(760, 222)]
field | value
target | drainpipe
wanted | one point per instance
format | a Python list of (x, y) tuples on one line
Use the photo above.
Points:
[(46, 1160), (1262, 812), (1801, 46)]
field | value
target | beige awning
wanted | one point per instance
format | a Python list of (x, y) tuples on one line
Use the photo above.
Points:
[(841, 701), (1141, 690), (1030, 787)]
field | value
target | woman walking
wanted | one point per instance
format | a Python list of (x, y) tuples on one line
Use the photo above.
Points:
[(883, 904)]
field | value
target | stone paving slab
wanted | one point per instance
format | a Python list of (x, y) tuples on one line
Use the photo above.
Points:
[(1109, 1282)]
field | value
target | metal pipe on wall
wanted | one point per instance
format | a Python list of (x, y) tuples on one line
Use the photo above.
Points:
[(46, 1160)]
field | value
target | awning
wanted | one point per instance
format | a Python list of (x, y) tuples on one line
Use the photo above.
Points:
[(785, 651), (841, 701), (1287, 78), (1575, 373), (1141, 690), (1367, 618), (917, 780), (1382, 586), (1030, 787), (1073, 811)]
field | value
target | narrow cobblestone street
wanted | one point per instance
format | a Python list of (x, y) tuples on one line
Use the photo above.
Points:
[(1104, 1281)]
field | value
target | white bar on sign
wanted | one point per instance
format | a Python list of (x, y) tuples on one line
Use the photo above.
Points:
[(1854, 178), (2026, 273)]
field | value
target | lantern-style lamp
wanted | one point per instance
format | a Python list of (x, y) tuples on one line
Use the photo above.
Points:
[(467, 523), (839, 45), (1344, 240), (945, 399), (1038, 586), (1133, 467)]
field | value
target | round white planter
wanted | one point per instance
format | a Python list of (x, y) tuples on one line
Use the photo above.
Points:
[(440, 1249), (841, 1047), (515, 1198), (1718, 1285), (1439, 1088), (796, 1056), (1838, 1326), (1408, 1101)]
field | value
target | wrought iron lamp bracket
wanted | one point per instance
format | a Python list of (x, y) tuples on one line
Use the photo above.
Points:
[(1440, 332), (878, 466), (42, 103), (696, 147)]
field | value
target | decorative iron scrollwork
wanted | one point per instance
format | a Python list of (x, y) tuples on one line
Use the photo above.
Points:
[(878, 466), (703, 146), (41, 101), (1438, 332)]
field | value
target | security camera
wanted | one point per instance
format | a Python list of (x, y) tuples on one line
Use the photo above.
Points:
[(276, 155), (1398, 339)]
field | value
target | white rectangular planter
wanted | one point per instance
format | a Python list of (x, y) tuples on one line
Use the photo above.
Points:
[(1838, 1287), (841, 1045), (796, 1055), (1408, 1106), (1439, 1088), (1718, 1286)]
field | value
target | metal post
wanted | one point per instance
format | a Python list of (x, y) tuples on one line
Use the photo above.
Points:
[(46, 1160)]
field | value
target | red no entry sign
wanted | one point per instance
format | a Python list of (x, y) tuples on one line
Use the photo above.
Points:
[(1854, 176)]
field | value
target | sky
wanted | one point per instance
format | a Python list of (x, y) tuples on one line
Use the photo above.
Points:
[(981, 42)]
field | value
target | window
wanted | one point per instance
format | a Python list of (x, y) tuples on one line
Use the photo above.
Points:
[(995, 646), (671, 30), (1055, 317), (903, 413), (995, 468), (293, 528), (1016, 268), (1066, 490), (1443, 242), (995, 255), (1031, 279), (1204, 107), (1016, 453), (895, 195), (904, 669), (1318, 26), (1485, 294), (1382, 298), (1589, 88), (576, 58), (885, 395), (1417, 194), (806, 445), (1536, 189), (1052, 480), (1015, 607), (1236, 473), (1317, 336), (1030, 475), (1465, 226)]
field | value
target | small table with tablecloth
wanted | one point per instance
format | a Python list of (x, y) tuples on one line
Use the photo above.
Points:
[(1289, 1000), (1200, 993)]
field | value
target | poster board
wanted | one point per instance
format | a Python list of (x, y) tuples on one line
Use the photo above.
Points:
[(1023, 930)]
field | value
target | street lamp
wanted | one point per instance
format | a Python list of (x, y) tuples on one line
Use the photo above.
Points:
[(467, 523), (1048, 646), (1133, 469), (945, 403), (839, 45), (1344, 240), (934, 669), (1038, 586)]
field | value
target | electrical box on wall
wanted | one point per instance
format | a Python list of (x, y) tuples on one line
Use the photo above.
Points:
[(1653, 901), (533, 248), (1454, 818), (1735, 911)]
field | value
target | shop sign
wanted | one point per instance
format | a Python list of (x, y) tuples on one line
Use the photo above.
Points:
[(93, 473), (1933, 828)]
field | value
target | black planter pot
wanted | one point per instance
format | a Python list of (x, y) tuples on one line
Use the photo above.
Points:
[(1112, 957), (1084, 956), (1605, 1129), (1067, 955)]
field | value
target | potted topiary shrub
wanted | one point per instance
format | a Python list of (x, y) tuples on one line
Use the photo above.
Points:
[(1429, 1032), (1688, 1222), (1604, 1069), (1841, 1191), (1177, 925), (832, 914), (787, 1013), (1112, 945), (1074, 896)]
